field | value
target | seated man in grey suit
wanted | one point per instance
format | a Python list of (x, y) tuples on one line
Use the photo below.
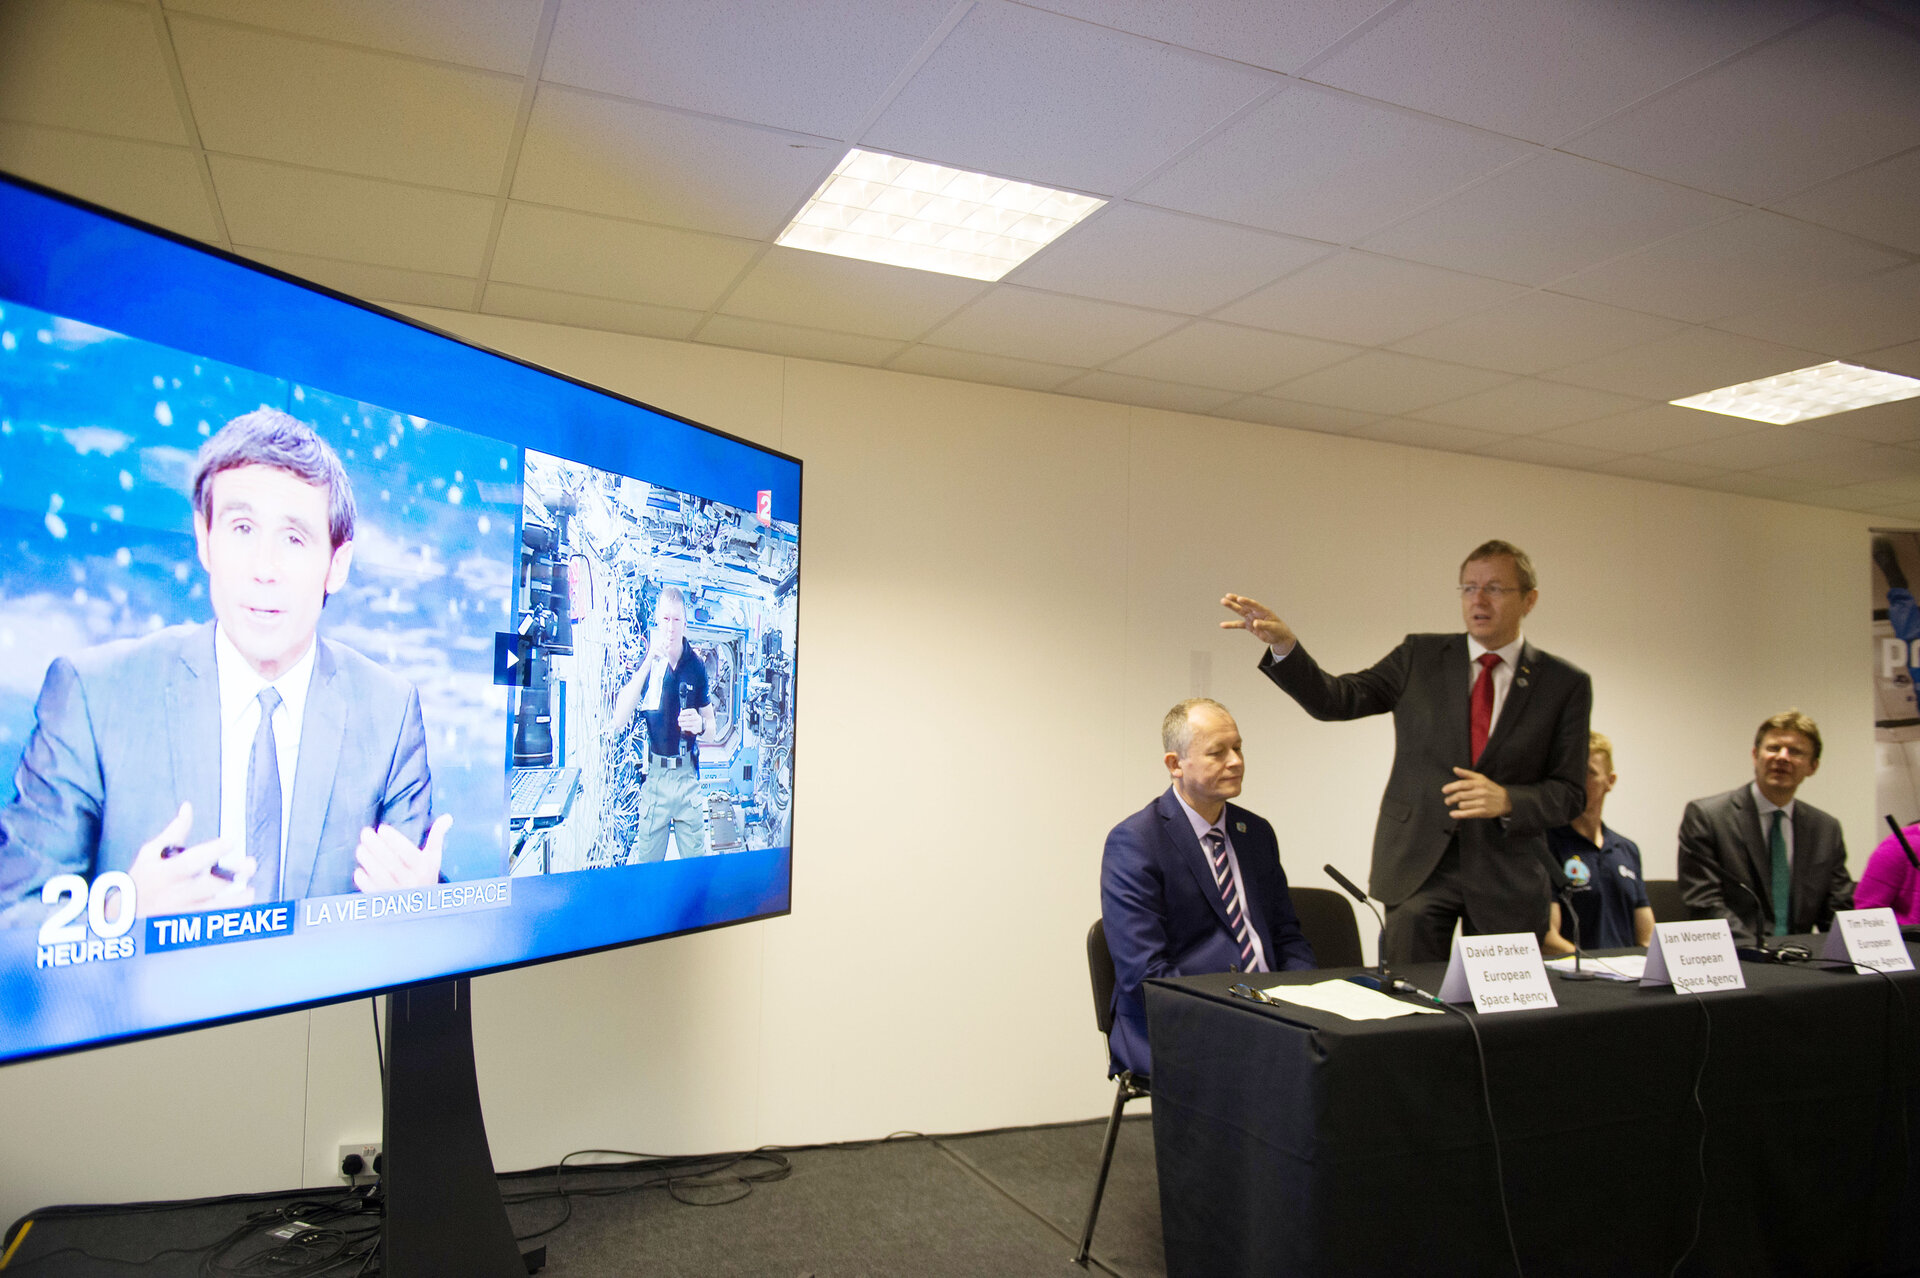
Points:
[(242, 760), (1758, 857)]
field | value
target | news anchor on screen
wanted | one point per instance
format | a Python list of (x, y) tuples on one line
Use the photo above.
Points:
[(244, 759)]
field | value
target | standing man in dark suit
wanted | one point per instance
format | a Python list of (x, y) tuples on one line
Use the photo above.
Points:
[(1192, 883), (1490, 752), (1758, 857)]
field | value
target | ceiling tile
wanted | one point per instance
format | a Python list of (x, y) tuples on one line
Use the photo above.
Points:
[(1847, 497), (1365, 299), (1528, 407), (1880, 202), (1728, 268), (1650, 429), (1024, 324), (805, 343), (1544, 452), (580, 253), (159, 184), (1277, 34), (1895, 423), (1904, 358), (1326, 166), (373, 283), (281, 98), (1546, 217), (972, 366), (1753, 449), (626, 159), (1660, 470), (1147, 393), (576, 311), (820, 290), (1295, 415), (495, 35), (1537, 332), (1025, 94), (1148, 257), (1451, 439), (1687, 363), (769, 61), (1383, 382), (1229, 357), (1892, 490), (1827, 98), (1859, 315), (1748, 484), (87, 64), (1835, 468), (352, 219), (1540, 71), (1907, 511)]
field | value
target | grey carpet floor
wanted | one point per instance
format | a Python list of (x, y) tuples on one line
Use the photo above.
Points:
[(1002, 1204)]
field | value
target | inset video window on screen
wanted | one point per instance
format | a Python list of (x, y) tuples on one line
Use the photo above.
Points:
[(302, 695)]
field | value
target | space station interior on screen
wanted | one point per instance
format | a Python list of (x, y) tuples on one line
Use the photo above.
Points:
[(1896, 661), (652, 670)]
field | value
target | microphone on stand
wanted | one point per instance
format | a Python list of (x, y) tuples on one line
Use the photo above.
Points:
[(1759, 951), (1380, 978), (1905, 846), (1561, 886)]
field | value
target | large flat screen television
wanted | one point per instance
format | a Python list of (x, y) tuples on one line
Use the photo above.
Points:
[(338, 655)]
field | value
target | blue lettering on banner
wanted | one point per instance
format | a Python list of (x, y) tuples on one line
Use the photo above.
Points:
[(219, 927)]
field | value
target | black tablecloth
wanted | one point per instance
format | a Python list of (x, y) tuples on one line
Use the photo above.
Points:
[(1292, 1141)]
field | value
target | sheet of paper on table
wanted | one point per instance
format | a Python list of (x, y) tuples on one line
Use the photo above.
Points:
[(1344, 998), (1614, 967)]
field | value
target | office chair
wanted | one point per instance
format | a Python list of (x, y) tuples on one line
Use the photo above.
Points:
[(1668, 906), (1132, 1086), (1326, 917)]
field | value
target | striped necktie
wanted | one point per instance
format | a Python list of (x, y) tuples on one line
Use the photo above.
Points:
[(1216, 845)]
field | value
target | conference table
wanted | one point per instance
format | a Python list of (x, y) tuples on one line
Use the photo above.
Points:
[(1297, 1142)]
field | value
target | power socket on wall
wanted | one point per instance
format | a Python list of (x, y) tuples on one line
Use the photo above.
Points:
[(359, 1164)]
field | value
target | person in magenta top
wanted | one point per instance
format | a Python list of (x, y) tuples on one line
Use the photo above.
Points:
[(1890, 879)]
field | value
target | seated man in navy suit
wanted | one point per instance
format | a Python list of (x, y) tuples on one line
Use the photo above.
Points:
[(1192, 883)]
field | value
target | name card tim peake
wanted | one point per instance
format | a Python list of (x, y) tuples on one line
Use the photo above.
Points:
[(1870, 940)]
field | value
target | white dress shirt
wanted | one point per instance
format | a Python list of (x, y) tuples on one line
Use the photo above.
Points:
[(1766, 808), (1200, 828), (1502, 673)]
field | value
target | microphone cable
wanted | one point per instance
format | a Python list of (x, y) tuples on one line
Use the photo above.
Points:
[(1499, 1167)]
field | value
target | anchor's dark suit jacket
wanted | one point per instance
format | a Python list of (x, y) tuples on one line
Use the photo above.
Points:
[(127, 731), (1164, 916), (1538, 751), (1721, 844)]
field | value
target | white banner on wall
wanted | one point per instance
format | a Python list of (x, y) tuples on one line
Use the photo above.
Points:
[(1896, 659)]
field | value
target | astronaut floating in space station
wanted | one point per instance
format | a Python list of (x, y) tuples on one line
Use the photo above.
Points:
[(653, 719)]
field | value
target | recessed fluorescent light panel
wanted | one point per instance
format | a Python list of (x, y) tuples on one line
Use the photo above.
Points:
[(881, 208), (1819, 391)]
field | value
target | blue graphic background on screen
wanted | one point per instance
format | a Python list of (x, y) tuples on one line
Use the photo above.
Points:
[(69, 261), (98, 435)]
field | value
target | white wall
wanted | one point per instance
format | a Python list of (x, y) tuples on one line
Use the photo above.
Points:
[(1003, 591)]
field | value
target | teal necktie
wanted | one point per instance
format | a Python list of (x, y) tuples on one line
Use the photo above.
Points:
[(1782, 874)]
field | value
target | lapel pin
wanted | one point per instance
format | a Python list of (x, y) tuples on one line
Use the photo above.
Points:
[(1239, 827), (1522, 681)]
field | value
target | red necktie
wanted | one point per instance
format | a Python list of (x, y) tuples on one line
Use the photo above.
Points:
[(1481, 719)]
